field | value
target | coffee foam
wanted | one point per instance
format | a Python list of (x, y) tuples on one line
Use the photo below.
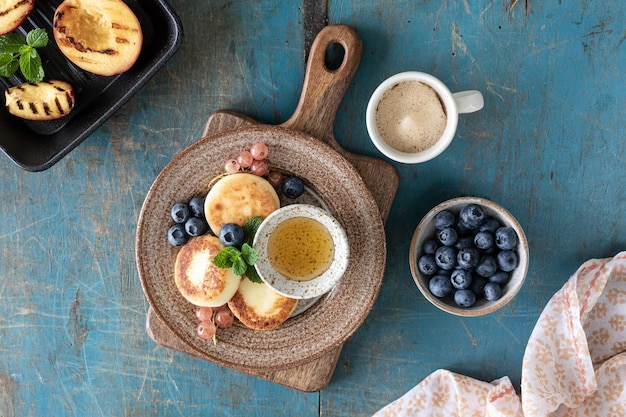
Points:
[(410, 117)]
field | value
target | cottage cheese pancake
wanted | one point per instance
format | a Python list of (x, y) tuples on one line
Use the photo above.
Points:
[(259, 307), (198, 279), (238, 197)]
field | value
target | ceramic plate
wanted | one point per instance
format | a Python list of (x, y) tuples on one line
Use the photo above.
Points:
[(326, 324)]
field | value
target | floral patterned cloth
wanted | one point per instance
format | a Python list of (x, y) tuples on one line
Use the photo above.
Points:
[(575, 360), (574, 364), (447, 394)]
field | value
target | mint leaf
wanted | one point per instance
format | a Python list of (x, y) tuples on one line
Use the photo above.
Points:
[(23, 54), (224, 258), (241, 261), (253, 275), (8, 65), (31, 67), (250, 227), (11, 43), (231, 257), (249, 254), (239, 266), (37, 38), (25, 50)]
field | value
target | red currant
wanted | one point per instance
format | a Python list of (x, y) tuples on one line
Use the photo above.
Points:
[(259, 167), (232, 166), (259, 151), (245, 159), (206, 329), (204, 313), (275, 178), (224, 318)]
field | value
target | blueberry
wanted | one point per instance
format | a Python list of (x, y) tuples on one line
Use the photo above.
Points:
[(500, 278), (177, 235), (231, 234), (447, 236), (507, 260), (472, 216), (180, 212), (444, 219), (486, 266), (506, 238), (430, 247), (292, 187), (461, 279), (445, 257), (196, 226), (444, 273), (440, 286), (478, 284), (492, 291), (461, 228), (465, 242), (464, 298), (427, 265), (489, 225), (484, 241), (196, 205), (468, 258)]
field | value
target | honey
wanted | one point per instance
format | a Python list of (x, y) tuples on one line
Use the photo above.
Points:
[(300, 248)]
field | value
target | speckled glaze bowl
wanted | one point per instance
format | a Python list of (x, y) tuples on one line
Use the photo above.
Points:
[(426, 230), (301, 289), (336, 186)]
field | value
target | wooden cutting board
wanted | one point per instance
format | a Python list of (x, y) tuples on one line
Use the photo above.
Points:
[(380, 177), (382, 180)]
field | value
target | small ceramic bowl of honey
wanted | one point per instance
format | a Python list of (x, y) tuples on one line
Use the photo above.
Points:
[(303, 251)]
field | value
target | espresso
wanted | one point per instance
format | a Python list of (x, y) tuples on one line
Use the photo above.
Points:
[(410, 117)]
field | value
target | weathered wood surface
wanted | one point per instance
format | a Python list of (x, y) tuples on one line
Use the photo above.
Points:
[(548, 146)]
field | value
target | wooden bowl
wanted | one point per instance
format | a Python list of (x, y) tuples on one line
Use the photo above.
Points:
[(426, 231)]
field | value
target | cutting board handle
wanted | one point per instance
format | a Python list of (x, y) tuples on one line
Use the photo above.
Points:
[(323, 87)]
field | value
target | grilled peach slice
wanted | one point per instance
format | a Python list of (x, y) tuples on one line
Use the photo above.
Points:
[(46, 100), (13, 13), (103, 37)]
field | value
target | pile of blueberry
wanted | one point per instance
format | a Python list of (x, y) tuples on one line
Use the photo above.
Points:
[(471, 256), (189, 221)]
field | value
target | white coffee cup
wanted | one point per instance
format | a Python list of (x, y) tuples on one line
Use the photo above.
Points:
[(452, 105)]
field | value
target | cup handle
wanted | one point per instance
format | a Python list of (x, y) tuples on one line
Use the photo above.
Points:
[(468, 101)]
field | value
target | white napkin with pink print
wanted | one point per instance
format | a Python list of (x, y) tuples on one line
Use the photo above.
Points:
[(574, 364)]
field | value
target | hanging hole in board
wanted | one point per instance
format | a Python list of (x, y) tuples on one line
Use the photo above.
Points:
[(334, 56)]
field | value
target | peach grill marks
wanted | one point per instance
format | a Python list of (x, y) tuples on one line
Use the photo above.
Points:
[(17, 6), (46, 106), (79, 46)]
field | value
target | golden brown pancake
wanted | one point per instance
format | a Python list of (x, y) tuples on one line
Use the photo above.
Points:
[(259, 307), (197, 279), (238, 197)]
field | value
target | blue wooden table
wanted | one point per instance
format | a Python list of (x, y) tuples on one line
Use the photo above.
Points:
[(549, 147)]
